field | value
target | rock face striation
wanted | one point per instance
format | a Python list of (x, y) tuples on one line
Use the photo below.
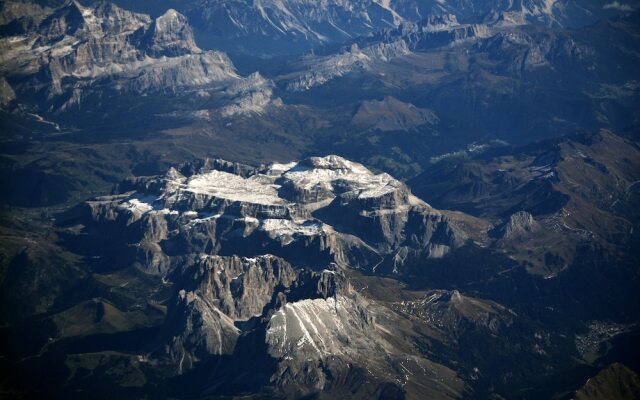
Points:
[(436, 30), (215, 292), (316, 71)]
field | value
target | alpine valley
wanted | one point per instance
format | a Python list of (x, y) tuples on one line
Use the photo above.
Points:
[(360, 199)]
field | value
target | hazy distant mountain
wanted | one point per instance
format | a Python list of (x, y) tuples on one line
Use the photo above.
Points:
[(78, 52), (102, 58), (291, 26)]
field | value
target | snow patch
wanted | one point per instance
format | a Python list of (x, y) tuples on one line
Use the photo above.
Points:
[(233, 187)]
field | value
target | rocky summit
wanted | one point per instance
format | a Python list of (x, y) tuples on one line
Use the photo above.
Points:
[(265, 254), (314, 212), (76, 52)]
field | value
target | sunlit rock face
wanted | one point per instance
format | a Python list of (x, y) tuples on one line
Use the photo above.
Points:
[(77, 52), (312, 212)]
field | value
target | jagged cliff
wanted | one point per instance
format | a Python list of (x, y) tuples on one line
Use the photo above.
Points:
[(76, 54), (313, 212)]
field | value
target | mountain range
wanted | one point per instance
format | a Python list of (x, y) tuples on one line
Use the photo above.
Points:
[(290, 26), (319, 199)]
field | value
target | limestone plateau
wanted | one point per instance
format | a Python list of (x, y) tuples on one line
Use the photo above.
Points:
[(265, 254)]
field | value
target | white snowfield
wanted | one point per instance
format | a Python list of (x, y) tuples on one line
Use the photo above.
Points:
[(316, 172), (327, 171), (281, 227), (232, 187), (189, 197)]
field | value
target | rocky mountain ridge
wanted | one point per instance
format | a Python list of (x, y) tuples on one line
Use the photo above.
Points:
[(318, 210), (266, 253), (80, 54), (282, 280), (548, 200), (281, 27)]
